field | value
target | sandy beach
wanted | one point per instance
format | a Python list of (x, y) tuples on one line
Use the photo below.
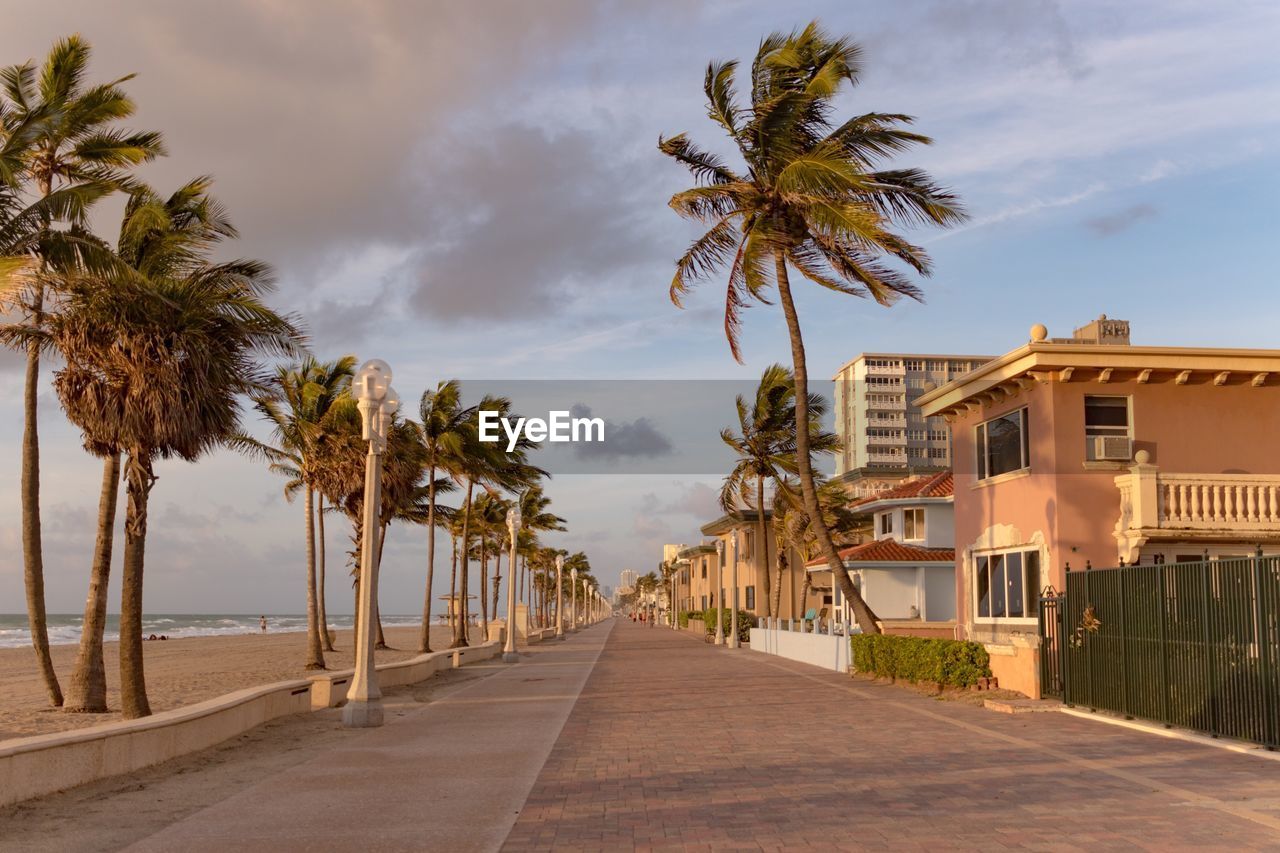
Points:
[(180, 672)]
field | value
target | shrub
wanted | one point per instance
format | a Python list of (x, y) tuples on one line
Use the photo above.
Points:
[(746, 622), (952, 663)]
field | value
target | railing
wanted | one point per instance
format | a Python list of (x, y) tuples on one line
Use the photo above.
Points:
[(1152, 501), (1234, 500), (1195, 645)]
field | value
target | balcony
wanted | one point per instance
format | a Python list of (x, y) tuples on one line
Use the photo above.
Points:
[(1155, 504)]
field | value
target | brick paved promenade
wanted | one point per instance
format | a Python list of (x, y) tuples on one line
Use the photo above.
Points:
[(674, 744)]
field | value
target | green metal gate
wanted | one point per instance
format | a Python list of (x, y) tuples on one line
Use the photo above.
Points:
[(1195, 645)]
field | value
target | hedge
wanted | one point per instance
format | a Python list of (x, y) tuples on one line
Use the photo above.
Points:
[(952, 663), (746, 622)]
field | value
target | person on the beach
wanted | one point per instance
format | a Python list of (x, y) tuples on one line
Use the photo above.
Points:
[(262, 623)]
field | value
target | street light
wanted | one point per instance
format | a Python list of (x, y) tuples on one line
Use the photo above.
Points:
[(513, 530), (377, 402), (586, 612), (733, 584), (573, 608), (559, 596), (675, 608), (719, 593)]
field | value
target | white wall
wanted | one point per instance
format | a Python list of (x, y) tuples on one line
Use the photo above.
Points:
[(824, 650)]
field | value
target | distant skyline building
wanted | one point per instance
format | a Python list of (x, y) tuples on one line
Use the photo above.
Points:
[(628, 580), (885, 437)]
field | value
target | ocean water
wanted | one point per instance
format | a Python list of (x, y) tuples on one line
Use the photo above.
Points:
[(64, 628)]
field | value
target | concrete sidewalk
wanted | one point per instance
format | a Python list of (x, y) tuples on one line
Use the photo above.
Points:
[(452, 775)]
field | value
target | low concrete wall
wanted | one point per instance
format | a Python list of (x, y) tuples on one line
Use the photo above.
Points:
[(1016, 666), (32, 766), (698, 626), (829, 651)]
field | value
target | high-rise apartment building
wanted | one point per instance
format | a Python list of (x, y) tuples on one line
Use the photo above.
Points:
[(885, 436), (628, 581)]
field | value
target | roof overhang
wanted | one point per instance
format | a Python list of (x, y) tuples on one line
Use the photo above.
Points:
[(732, 521), (878, 505), (1048, 362)]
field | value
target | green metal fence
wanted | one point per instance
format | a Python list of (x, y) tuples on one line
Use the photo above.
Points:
[(1195, 645)]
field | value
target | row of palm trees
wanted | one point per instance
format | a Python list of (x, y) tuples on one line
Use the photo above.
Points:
[(316, 444), (158, 342), (158, 345), (815, 198)]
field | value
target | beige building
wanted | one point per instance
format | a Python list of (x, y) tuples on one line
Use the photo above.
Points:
[(886, 439)]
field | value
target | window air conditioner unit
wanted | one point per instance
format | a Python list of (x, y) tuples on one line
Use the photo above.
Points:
[(1112, 448)]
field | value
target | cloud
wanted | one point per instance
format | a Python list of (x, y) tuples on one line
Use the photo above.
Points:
[(524, 221), (622, 440), (1121, 220)]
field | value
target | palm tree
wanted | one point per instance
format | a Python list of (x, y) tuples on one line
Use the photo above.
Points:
[(158, 237), (766, 449), (812, 199), (296, 404), (156, 366), (71, 140), (444, 434), (794, 531)]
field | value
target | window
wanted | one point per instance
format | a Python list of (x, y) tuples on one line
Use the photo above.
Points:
[(751, 598), (1007, 585), (704, 602), (913, 524), (914, 364), (1104, 416), (1001, 445), (886, 523), (704, 569)]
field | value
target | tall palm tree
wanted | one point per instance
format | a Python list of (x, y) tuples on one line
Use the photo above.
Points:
[(766, 450), (158, 237), (74, 141), (296, 403), (157, 366), (812, 198), (444, 433)]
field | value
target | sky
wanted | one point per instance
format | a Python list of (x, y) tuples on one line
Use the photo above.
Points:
[(474, 191)]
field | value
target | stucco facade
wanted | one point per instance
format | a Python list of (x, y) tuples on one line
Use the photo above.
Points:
[(1200, 428)]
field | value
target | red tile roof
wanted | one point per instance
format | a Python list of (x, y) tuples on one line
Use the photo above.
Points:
[(941, 485), (891, 551)]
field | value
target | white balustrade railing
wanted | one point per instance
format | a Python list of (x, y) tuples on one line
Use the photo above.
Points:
[(1238, 501)]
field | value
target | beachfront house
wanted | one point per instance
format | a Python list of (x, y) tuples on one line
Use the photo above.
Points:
[(906, 573), (1087, 452)]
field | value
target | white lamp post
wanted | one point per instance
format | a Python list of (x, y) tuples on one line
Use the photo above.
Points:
[(573, 601), (719, 594), (513, 531), (377, 401), (559, 596), (733, 592)]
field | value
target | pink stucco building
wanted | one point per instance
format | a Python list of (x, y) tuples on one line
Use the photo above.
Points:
[(1071, 453)]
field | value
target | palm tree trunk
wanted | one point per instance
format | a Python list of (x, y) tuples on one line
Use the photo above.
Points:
[(460, 629), (133, 682), (497, 581), (866, 617), (453, 579), (780, 560), (381, 640), (315, 651), (320, 556), (484, 588), (424, 637), (87, 692), (32, 551), (762, 546)]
